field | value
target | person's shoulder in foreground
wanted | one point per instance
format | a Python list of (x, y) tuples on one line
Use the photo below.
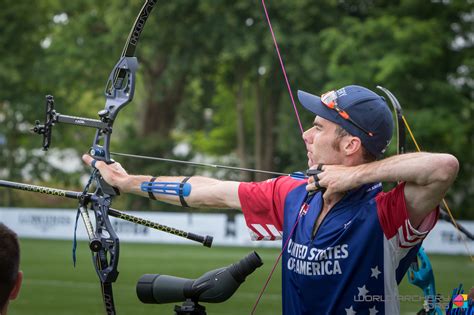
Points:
[(10, 275)]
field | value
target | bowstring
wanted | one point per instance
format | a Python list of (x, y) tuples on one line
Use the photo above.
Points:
[(282, 66), (304, 208), (288, 86)]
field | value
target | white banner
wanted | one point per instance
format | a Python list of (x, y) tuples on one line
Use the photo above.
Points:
[(445, 239), (226, 230)]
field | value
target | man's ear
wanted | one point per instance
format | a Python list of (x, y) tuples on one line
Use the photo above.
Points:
[(352, 145), (17, 286)]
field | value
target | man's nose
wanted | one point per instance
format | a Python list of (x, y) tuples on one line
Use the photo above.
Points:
[(306, 136)]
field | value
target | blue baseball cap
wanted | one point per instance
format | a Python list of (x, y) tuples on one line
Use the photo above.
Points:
[(367, 109)]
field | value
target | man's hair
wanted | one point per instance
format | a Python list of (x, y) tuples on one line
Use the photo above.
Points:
[(9, 262), (340, 133)]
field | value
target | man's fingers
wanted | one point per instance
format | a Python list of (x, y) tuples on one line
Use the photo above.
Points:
[(87, 159), (317, 185), (314, 173), (91, 161), (312, 186), (316, 177)]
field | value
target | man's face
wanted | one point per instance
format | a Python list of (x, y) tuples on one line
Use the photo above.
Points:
[(322, 143)]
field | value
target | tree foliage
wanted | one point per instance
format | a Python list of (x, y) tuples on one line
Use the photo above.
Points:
[(209, 79)]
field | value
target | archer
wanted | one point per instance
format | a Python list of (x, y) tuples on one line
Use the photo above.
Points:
[(347, 244)]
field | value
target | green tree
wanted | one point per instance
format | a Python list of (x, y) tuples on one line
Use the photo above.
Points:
[(209, 77)]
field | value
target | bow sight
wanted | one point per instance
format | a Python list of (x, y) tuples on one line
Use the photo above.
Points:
[(119, 92), (52, 117)]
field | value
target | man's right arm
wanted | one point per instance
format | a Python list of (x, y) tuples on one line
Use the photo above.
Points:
[(205, 192)]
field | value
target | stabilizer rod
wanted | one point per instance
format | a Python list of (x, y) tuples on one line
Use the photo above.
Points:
[(205, 240)]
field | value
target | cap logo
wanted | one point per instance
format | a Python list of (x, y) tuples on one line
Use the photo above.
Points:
[(341, 92)]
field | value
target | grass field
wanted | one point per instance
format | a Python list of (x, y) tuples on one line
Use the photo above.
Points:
[(53, 286)]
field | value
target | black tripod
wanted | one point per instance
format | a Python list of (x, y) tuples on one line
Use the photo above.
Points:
[(190, 307)]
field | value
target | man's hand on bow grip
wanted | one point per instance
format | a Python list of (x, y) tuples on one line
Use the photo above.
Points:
[(114, 174)]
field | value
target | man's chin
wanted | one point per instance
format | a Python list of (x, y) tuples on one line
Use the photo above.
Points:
[(311, 163), (314, 164)]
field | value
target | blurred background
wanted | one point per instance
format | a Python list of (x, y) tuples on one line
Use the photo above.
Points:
[(210, 87)]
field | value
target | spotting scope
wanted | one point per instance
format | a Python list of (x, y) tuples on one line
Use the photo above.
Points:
[(213, 287)]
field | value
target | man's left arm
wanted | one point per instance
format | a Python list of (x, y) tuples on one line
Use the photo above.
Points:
[(428, 177)]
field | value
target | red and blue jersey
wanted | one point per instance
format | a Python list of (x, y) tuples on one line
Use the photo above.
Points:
[(353, 262)]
